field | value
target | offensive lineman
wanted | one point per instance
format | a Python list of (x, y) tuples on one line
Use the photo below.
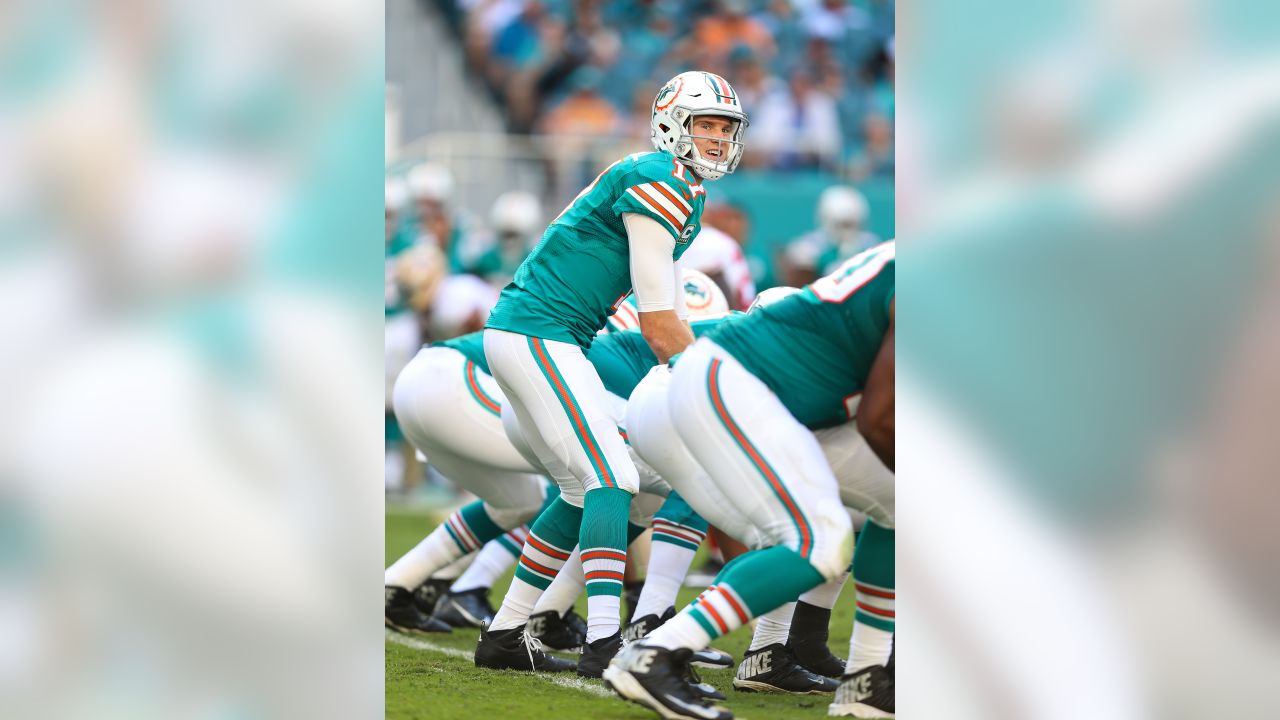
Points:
[(624, 231), (749, 397)]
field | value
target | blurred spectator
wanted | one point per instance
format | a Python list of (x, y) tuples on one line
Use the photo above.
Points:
[(797, 127), (439, 225), (845, 27), (782, 21), (516, 220), (715, 35), (875, 158), (720, 257), (575, 123), (842, 214)]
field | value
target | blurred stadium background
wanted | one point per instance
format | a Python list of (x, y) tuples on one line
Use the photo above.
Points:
[(498, 112)]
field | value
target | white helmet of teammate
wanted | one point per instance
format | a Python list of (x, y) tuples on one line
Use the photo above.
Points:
[(692, 94), (841, 210), (516, 212), (430, 181), (702, 296), (771, 296)]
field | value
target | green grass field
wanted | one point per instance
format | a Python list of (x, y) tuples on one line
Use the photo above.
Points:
[(432, 676)]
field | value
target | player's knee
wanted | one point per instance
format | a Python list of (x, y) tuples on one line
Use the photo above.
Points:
[(627, 479), (832, 544), (644, 507), (510, 517), (575, 496)]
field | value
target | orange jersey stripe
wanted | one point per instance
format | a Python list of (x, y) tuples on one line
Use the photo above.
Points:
[(653, 205), (607, 477), (874, 592)]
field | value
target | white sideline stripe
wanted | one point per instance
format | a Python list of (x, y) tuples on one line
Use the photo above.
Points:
[(573, 683)]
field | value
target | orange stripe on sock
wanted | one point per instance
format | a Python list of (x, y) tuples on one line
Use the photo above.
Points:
[(875, 610), (604, 555), (546, 549), (874, 592)]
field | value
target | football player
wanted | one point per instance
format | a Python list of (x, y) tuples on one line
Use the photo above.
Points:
[(624, 231), (756, 400)]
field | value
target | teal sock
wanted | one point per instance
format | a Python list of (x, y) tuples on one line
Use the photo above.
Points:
[(604, 541), (873, 576), (678, 524), (552, 537)]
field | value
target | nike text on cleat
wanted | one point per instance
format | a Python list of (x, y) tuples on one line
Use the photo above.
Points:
[(596, 655), (427, 595), (773, 669), (514, 650), (654, 677), (867, 693), (470, 608), (400, 612), (645, 625), (555, 631)]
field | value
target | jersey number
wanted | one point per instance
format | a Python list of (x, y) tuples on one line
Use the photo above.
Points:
[(853, 273)]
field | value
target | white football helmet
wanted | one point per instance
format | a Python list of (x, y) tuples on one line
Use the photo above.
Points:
[(688, 95), (771, 296), (841, 210), (702, 296), (430, 181), (516, 212)]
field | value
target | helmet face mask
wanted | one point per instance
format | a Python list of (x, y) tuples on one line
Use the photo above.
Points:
[(688, 96)]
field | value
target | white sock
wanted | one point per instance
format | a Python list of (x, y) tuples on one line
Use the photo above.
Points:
[(668, 564), (455, 569), (773, 627), (434, 553), (603, 613), (826, 594), (680, 631), (489, 563), (868, 646), (565, 589), (543, 562)]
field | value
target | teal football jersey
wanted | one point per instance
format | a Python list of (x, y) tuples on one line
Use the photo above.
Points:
[(815, 348), (471, 345), (622, 359), (581, 270)]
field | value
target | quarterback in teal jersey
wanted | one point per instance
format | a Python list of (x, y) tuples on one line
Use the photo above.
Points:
[(624, 233), (789, 413)]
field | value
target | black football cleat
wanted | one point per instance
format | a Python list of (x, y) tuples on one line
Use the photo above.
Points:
[(427, 595), (643, 626), (555, 631), (469, 608), (773, 669), (400, 612), (808, 640), (816, 657), (513, 650), (867, 693), (712, 658), (654, 677), (596, 655)]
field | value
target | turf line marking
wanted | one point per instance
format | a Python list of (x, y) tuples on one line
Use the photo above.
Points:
[(573, 683)]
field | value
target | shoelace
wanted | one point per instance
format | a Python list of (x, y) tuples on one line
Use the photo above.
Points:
[(531, 644)]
